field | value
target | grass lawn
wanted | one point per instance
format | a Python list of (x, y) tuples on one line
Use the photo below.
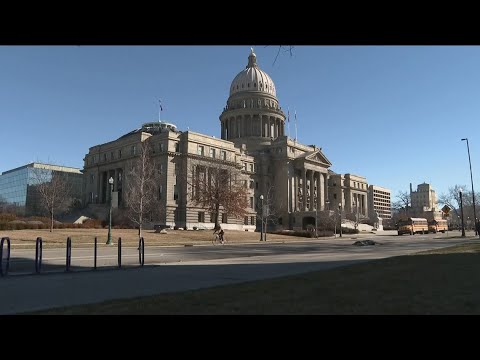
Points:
[(21, 239), (446, 281)]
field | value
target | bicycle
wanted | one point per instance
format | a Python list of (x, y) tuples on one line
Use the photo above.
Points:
[(216, 239)]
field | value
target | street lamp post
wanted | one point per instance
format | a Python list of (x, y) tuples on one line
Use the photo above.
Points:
[(109, 240), (461, 211), (316, 217), (340, 211), (473, 191), (261, 231)]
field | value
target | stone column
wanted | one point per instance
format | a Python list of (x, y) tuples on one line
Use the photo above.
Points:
[(304, 190), (115, 182), (312, 198), (295, 191), (325, 189), (320, 203), (261, 125)]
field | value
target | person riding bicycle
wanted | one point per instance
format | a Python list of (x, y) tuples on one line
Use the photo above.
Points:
[(218, 229)]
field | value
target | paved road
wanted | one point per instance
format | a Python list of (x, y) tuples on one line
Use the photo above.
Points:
[(186, 268)]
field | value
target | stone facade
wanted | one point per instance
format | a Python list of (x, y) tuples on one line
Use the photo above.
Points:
[(351, 192), (291, 177)]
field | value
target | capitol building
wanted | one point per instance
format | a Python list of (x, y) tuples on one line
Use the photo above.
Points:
[(293, 178)]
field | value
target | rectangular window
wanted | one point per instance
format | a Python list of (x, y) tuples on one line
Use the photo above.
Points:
[(251, 202), (256, 185), (334, 196), (252, 220), (160, 191), (245, 166), (212, 217), (252, 184), (92, 177), (224, 218), (223, 155), (245, 221), (177, 147), (105, 157), (212, 153), (201, 216), (133, 150), (251, 167), (161, 147), (111, 156), (200, 150), (120, 153), (175, 193), (160, 168)]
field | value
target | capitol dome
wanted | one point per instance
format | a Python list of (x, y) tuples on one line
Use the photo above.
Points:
[(252, 79)]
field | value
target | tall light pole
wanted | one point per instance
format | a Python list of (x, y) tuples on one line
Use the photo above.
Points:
[(473, 191), (340, 211), (461, 211), (109, 240), (327, 203), (261, 231), (316, 217)]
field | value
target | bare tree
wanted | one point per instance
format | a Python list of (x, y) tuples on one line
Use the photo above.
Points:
[(52, 190), (403, 202), (141, 193), (215, 186), (452, 198), (269, 215)]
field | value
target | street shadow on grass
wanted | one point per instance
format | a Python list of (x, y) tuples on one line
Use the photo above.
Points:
[(427, 284)]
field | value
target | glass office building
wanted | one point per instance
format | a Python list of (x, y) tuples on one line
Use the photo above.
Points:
[(18, 186)]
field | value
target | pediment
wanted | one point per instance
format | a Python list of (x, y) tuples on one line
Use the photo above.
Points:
[(318, 157)]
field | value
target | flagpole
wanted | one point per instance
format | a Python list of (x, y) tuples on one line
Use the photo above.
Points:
[(288, 122), (295, 125)]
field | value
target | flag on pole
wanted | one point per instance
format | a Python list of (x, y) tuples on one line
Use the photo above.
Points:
[(161, 108), (288, 118)]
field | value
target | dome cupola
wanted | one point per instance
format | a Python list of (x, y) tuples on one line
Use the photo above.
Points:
[(252, 79)]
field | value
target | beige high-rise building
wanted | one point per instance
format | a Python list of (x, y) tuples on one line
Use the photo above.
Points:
[(379, 200), (291, 177), (424, 199)]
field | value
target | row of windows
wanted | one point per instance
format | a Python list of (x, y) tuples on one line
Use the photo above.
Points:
[(201, 217), (359, 185), (251, 218), (133, 151), (381, 192), (267, 86), (212, 152)]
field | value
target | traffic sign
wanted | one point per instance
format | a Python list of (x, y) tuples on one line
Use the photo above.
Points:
[(446, 209)]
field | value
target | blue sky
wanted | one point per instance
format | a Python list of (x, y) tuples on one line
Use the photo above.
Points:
[(394, 114)]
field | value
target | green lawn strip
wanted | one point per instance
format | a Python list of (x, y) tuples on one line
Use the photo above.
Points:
[(427, 284)]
